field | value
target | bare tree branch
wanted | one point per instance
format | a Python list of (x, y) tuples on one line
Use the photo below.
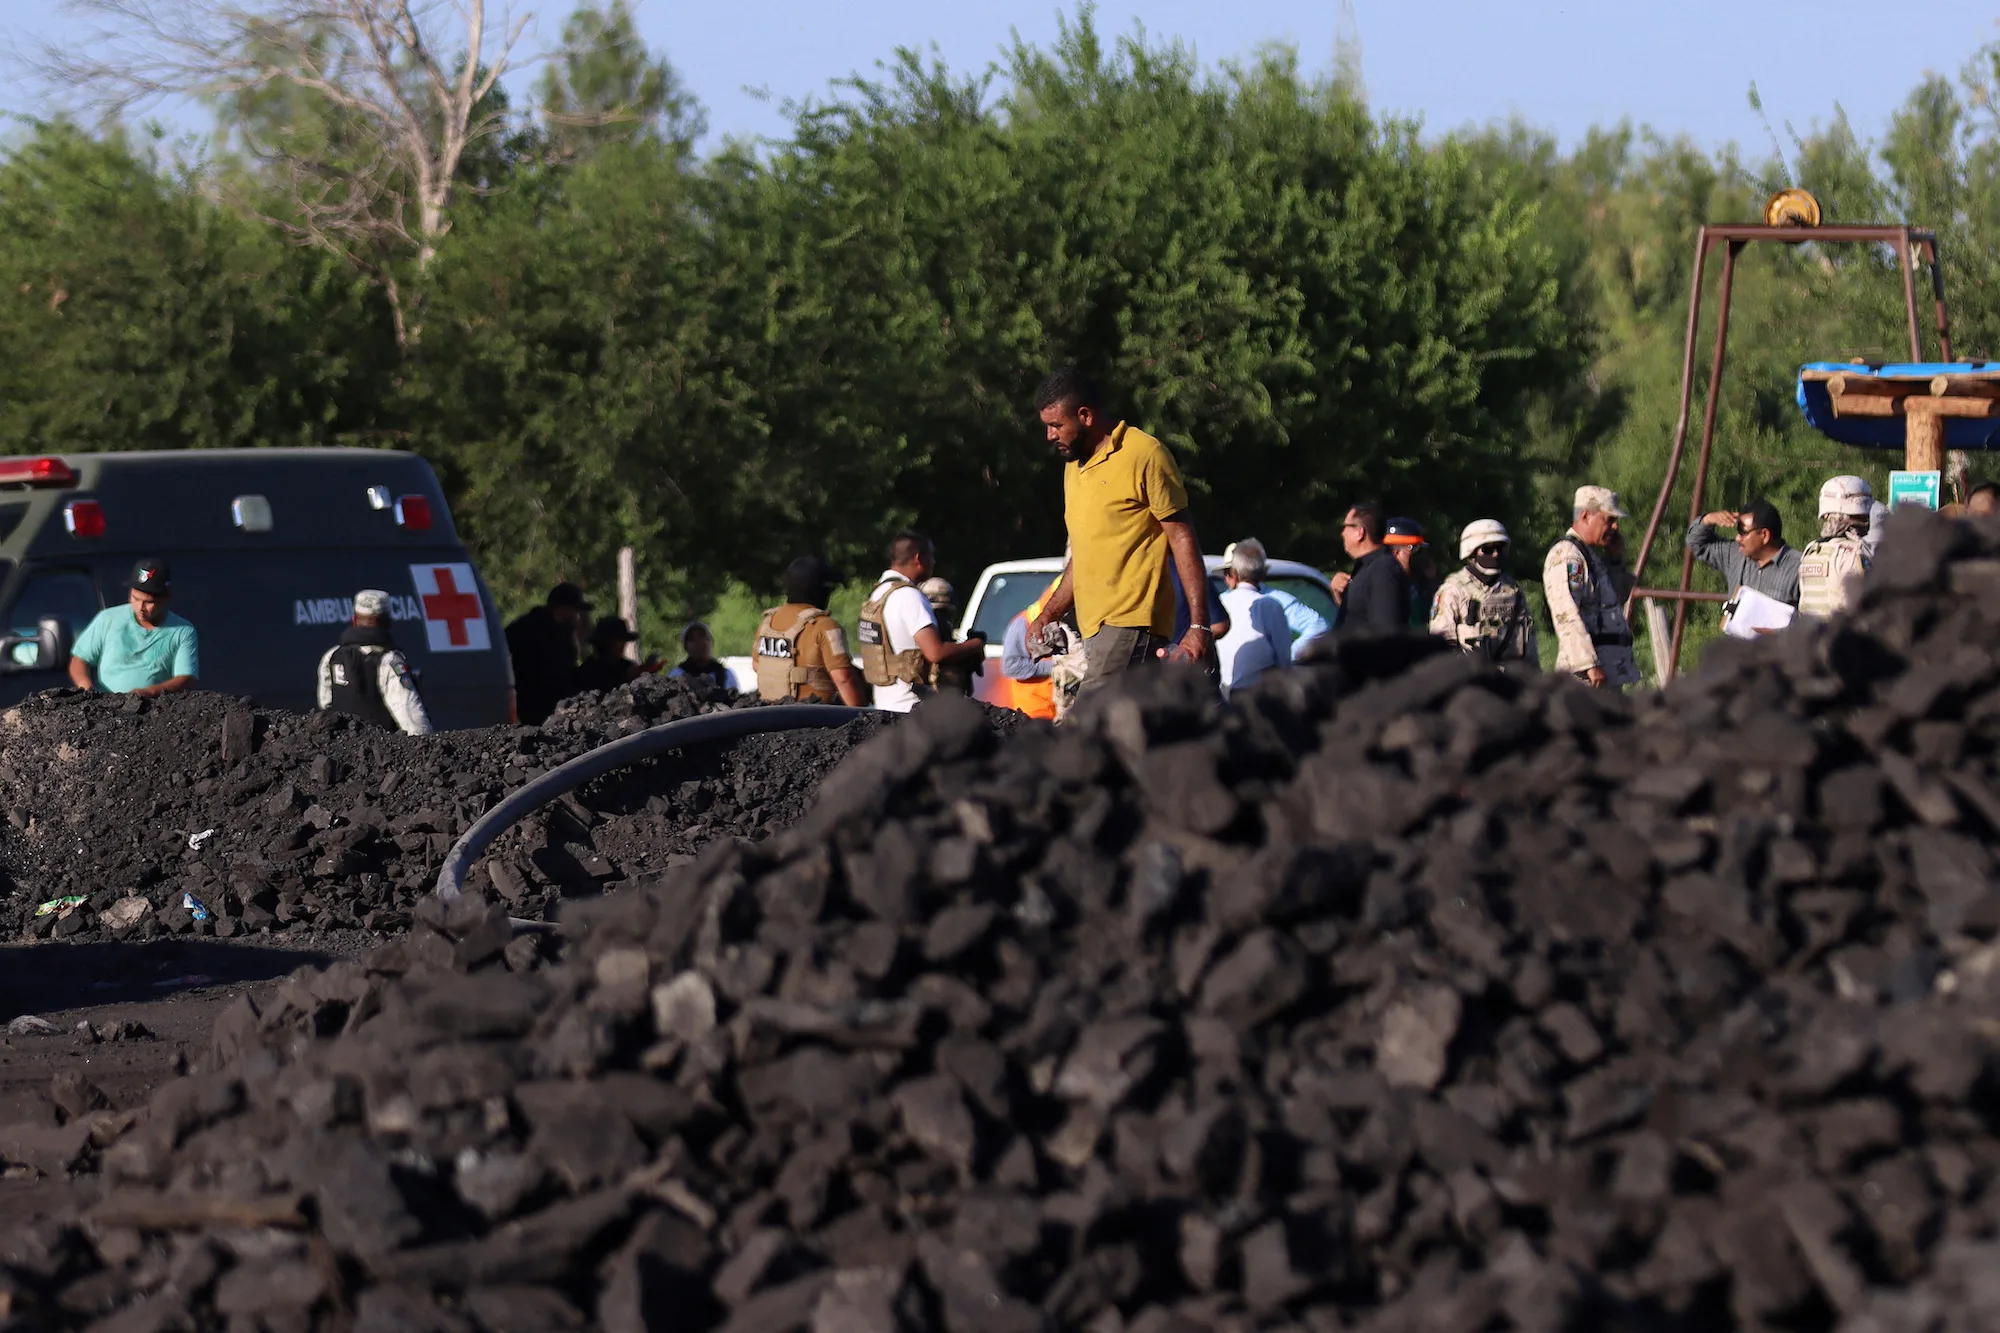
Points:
[(402, 89)]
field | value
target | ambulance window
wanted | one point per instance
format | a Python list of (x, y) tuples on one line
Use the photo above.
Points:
[(68, 593), (10, 518)]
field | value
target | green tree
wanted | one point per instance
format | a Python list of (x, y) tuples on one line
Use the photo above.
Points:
[(136, 314), (606, 88)]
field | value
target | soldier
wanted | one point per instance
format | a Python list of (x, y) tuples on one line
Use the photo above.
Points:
[(1480, 609), (945, 679), (800, 652), (1593, 640), (365, 675), (1830, 568)]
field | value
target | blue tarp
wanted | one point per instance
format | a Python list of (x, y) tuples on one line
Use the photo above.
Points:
[(1887, 432)]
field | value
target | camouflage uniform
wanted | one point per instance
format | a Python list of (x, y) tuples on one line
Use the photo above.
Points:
[(1491, 619), (1830, 572), (1830, 569), (1591, 629)]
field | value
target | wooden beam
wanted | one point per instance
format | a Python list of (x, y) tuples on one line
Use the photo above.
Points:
[(1965, 386), (1923, 437), (1914, 405), (1841, 387)]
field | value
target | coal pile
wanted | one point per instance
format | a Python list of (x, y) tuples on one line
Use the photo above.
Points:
[(196, 814), (1404, 996)]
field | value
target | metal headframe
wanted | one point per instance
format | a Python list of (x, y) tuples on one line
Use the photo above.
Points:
[(1904, 238)]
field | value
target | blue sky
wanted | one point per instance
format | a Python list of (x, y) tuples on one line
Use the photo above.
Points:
[(1681, 67)]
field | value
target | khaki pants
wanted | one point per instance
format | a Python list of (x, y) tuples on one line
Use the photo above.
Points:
[(1116, 649)]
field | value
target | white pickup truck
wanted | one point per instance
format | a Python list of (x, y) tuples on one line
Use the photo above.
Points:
[(1011, 587)]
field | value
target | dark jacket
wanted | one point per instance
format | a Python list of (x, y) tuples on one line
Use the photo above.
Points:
[(605, 673), (1378, 596), (716, 672), (544, 653)]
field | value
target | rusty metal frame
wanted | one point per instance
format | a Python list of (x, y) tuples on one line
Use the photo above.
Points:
[(1734, 238)]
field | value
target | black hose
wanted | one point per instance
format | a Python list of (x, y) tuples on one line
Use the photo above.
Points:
[(705, 729)]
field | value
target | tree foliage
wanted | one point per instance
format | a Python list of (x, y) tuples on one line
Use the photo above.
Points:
[(603, 87), (136, 315)]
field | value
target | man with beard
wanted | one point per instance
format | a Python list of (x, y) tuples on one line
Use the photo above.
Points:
[(1126, 510), (1480, 609)]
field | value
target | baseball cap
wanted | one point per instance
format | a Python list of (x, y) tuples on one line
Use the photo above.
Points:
[(152, 576), (1601, 498), (371, 602), (611, 629), (1403, 532), (568, 594)]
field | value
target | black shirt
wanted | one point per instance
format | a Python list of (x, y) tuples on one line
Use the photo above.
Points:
[(1378, 596), (544, 653), (605, 673), (712, 670)]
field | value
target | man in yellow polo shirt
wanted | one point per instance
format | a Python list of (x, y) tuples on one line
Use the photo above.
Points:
[(1127, 515)]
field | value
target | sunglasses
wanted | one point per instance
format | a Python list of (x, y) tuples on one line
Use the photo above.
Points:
[(1495, 549)]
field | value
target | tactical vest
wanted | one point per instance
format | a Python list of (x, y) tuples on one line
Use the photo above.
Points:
[(1824, 567), (1602, 615), (879, 666), (355, 690), (1498, 617), (776, 657)]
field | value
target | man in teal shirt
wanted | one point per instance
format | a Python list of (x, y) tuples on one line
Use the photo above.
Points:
[(140, 648)]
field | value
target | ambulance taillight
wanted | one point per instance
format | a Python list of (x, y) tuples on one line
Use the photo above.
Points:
[(84, 518), (413, 512)]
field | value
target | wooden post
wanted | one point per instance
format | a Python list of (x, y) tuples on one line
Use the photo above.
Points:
[(1923, 437), (628, 596), (1662, 641)]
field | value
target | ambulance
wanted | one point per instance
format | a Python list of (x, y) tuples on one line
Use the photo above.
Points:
[(267, 549)]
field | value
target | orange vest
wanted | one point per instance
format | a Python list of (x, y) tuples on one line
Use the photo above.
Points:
[(1036, 698)]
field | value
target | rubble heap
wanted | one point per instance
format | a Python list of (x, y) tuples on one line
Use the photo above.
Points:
[(1400, 995), (286, 822)]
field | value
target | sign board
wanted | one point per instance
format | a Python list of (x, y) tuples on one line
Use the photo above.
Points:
[(1914, 488), (454, 614)]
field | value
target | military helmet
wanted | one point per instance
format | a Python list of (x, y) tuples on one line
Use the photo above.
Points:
[(938, 592), (1482, 532), (1845, 495), (1403, 532)]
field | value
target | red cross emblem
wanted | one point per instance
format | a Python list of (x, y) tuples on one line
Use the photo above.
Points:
[(454, 614)]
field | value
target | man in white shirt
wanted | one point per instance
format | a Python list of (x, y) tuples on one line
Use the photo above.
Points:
[(900, 643), (1259, 637)]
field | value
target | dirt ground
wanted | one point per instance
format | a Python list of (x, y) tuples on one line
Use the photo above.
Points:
[(173, 987)]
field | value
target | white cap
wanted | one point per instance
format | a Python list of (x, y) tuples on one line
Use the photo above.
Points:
[(1600, 498), (1481, 532), (1845, 495), (371, 602)]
